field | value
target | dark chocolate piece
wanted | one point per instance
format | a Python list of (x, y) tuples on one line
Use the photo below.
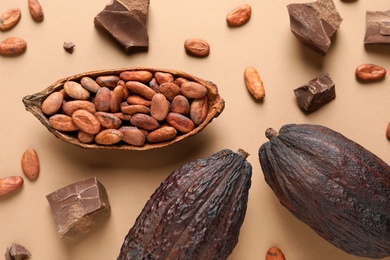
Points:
[(16, 251), (125, 22), (377, 27), (316, 93), (78, 207), (69, 46), (314, 23)]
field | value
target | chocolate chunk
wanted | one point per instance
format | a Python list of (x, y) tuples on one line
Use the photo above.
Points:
[(16, 251), (78, 207), (377, 27), (125, 22), (69, 46), (316, 93), (314, 23)]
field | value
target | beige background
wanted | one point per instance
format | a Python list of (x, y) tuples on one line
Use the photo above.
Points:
[(360, 111)]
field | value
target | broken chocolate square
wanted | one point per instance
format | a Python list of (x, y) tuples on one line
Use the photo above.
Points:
[(377, 27), (126, 22), (78, 207), (314, 23), (316, 93), (16, 251)]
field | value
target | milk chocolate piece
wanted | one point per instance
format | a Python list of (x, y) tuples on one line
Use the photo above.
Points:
[(16, 251), (314, 23), (125, 22), (377, 27), (78, 207), (316, 93)]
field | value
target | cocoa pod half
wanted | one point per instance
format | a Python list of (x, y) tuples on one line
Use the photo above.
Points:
[(334, 185), (196, 213)]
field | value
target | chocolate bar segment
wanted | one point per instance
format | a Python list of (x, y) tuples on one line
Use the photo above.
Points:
[(314, 23), (316, 93), (377, 27), (78, 207), (125, 21)]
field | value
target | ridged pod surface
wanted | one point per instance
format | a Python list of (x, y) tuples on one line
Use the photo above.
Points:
[(196, 213), (334, 185)]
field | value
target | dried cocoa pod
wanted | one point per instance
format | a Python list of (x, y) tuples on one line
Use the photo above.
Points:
[(196, 213), (348, 186), (104, 99)]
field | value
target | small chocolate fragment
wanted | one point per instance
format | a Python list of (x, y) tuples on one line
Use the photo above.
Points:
[(78, 207), (16, 251), (316, 93), (126, 22), (69, 47), (314, 23), (377, 27)]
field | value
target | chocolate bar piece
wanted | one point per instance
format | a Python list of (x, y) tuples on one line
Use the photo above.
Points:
[(377, 27), (126, 22), (314, 23), (78, 207), (16, 251), (316, 93)]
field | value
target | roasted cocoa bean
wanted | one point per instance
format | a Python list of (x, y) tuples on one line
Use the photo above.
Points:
[(30, 164), (102, 99), (85, 138), (109, 81), (274, 253), (52, 103), (69, 107), (169, 90), (254, 83), (164, 77), (180, 80), (137, 100), (138, 75), (144, 122), (199, 110), (370, 72), (90, 84), (12, 46), (180, 105), (197, 47), (164, 133), (9, 19), (108, 120), (76, 91), (132, 135), (62, 122), (239, 15), (153, 84), (122, 116), (86, 121), (159, 107), (36, 10), (10, 184), (141, 89), (180, 123), (134, 109), (116, 98), (193, 89), (109, 137)]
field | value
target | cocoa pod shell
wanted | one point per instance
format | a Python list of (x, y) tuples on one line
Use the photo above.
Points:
[(33, 104), (196, 213), (331, 183)]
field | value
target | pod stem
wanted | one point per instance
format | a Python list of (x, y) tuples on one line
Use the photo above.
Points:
[(243, 153), (271, 133)]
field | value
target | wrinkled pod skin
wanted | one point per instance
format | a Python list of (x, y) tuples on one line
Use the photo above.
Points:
[(334, 185), (196, 213)]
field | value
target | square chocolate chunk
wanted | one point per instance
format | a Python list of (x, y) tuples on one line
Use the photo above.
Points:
[(377, 27)]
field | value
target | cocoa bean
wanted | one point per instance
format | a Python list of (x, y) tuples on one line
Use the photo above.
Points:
[(9, 19), (197, 47), (159, 107), (138, 75), (10, 184), (90, 84), (239, 15), (116, 98), (134, 109), (370, 72), (137, 100), (180, 105), (132, 135), (140, 89), (169, 90), (180, 80), (86, 121), (109, 137), (180, 123), (193, 89), (122, 116), (52, 103), (85, 138), (76, 91), (30, 164), (162, 134), (254, 83), (36, 10), (70, 106), (12, 46), (62, 122), (153, 84), (274, 253), (108, 120), (199, 110), (144, 122), (109, 81), (102, 100), (164, 77)]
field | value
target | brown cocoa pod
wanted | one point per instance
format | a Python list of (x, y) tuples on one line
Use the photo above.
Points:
[(70, 106), (192, 89), (116, 99), (239, 15), (164, 77), (108, 120), (62, 122), (180, 105), (143, 76), (169, 90), (108, 81), (30, 164), (370, 72), (134, 109), (76, 91), (274, 253), (9, 19), (137, 100), (159, 107), (102, 99), (36, 10), (10, 184), (12, 46), (199, 110), (86, 121), (144, 122), (85, 138), (348, 186), (180, 123), (140, 89), (109, 137), (164, 133), (197, 47), (189, 206), (133, 136), (52, 103), (90, 84)]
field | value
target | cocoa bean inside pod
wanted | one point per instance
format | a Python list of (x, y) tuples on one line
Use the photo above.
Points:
[(104, 102)]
